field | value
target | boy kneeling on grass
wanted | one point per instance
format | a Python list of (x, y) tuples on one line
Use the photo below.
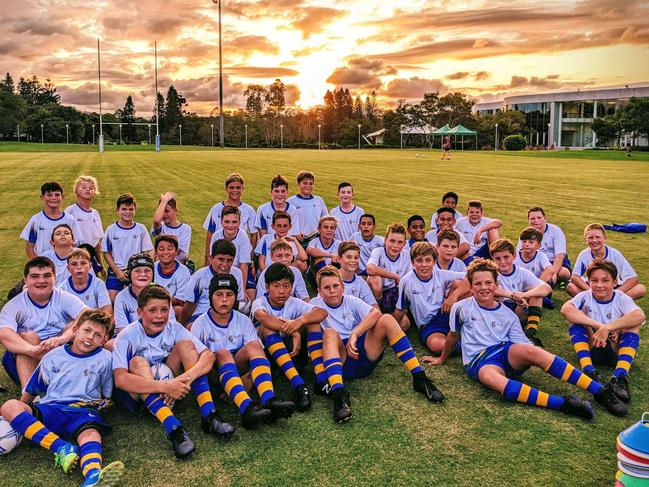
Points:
[(73, 381)]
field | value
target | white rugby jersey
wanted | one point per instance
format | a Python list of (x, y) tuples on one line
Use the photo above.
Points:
[(238, 332), (213, 221), (299, 286), (367, 246), (293, 308), (344, 317), (125, 308), (400, 266), (263, 247), (198, 288), (456, 265), (60, 265), (174, 282), (624, 269), (308, 213), (94, 295), (182, 232), (91, 230), (431, 236), (316, 243), (433, 219), (536, 265), (425, 298), (264, 217), (347, 221), (519, 280), (359, 288), (466, 228), (604, 311), (553, 243), (241, 241), (123, 242), (38, 230), (481, 328)]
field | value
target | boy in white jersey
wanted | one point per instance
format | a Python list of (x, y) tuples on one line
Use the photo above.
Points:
[(233, 339), (282, 317), (323, 250), (385, 268), (91, 229), (349, 257), (496, 352), (38, 231), (62, 246), (234, 190), (446, 222), (140, 275), (231, 230), (627, 279), (530, 258), (264, 221), (36, 321), (281, 226), (281, 251), (605, 327), (367, 240), (522, 291), (195, 294), (355, 336), (429, 293), (74, 381), (448, 244), (416, 230), (165, 222), (123, 239), (168, 272), (347, 213), (83, 284), (479, 230), (449, 200), (309, 207), (553, 245)]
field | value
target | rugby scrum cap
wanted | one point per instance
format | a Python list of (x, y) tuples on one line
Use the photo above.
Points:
[(140, 260), (223, 281)]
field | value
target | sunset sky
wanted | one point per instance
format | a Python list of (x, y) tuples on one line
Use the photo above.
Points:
[(401, 49)]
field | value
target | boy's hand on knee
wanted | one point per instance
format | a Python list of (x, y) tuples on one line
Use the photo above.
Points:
[(176, 388), (297, 344)]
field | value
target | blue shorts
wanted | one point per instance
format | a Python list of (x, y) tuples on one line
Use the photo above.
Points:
[(510, 304), (437, 324), (606, 356), (112, 283), (482, 252), (389, 298), (251, 280), (124, 401), (9, 364), (362, 366), (566, 263), (69, 421), (494, 355)]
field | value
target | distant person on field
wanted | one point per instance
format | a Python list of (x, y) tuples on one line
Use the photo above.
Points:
[(446, 148)]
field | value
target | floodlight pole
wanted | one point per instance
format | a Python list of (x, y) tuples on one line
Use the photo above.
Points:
[(496, 139), (43, 138), (157, 108), (180, 126), (246, 136), (120, 134), (67, 133), (101, 130), (212, 125), (281, 136), (221, 134), (319, 136), (156, 97), (18, 132), (93, 134), (359, 136)]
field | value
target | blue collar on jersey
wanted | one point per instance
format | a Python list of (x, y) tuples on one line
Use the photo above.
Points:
[(167, 276), (172, 227), (605, 302), (385, 251), (53, 219), (605, 254), (424, 280), (209, 315), (520, 254), (347, 212), (273, 206), (487, 309), (511, 273), (125, 228), (273, 307), (335, 307), (154, 335), (85, 211), (68, 348), (38, 305), (350, 282), (80, 291), (333, 241), (310, 197)]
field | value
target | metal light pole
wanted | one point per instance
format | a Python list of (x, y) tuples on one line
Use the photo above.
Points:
[(157, 108), (67, 133), (120, 134), (101, 129), (221, 139), (93, 134), (43, 138), (548, 146), (496, 139), (359, 136), (18, 132), (281, 136), (150, 130), (212, 125), (181, 133), (319, 136), (246, 136)]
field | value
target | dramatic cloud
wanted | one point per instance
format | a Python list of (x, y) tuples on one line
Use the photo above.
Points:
[(316, 19), (458, 75), (413, 88)]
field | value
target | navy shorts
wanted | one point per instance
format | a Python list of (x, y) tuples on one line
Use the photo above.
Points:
[(251, 280), (494, 355), (437, 324), (606, 356), (69, 421), (566, 263), (482, 252), (9, 364), (112, 283), (362, 366), (388, 301)]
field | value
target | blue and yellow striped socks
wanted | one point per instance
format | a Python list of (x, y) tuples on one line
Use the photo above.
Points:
[(201, 389), (517, 391), (561, 369), (402, 348), (262, 378), (233, 387), (32, 429), (579, 339), (280, 355), (534, 314), (91, 458), (314, 347), (628, 347), (334, 370), (155, 404)]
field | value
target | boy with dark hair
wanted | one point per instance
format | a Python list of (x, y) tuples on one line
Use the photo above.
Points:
[(38, 231), (428, 293), (196, 293), (416, 230), (168, 272), (83, 284), (74, 381), (233, 339), (309, 208), (446, 222), (627, 279), (449, 200), (281, 228), (156, 339), (355, 336), (283, 317), (281, 251), (522, 291), (140, 275), (323, 250), (165, 222), (234, 189), (347, 213), (36, 321), (448, 244), (479, 230), (605, 327), (62, 242), (230, 230), (123, 239), (367, 240), (530, 258), (349, 257), (264, 219), (496, 352)]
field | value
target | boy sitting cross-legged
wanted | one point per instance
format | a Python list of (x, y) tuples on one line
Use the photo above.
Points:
[(233, 339), (155, 339), (496, 352), (355, 336), (74, 381)]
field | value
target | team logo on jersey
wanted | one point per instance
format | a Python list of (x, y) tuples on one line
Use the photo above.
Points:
[(56, 370), (493, 324), (167, 347), (608, 316)]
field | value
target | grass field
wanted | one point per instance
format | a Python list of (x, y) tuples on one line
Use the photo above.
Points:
[(395, 437)]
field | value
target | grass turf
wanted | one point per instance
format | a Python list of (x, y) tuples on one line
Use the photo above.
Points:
[(395, 437)]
